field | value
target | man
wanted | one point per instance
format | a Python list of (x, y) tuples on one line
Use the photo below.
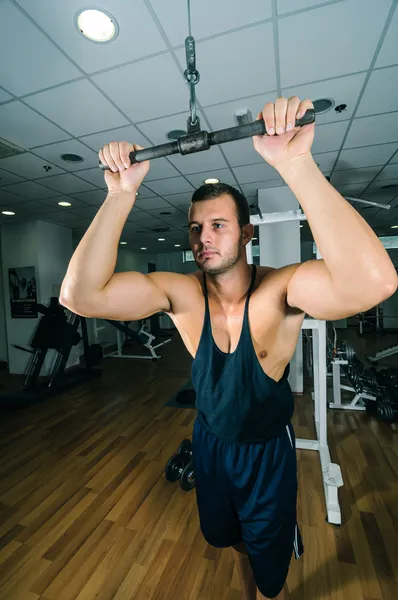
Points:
[(241, 325)]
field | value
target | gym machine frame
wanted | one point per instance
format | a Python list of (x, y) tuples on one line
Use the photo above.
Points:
[(331, 473)]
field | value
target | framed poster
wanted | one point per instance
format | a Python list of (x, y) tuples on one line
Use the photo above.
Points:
[(23, 296)]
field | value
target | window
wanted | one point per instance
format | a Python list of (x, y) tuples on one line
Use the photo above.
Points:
[(187, 256)]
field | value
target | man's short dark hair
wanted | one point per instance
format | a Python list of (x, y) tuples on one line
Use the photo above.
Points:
[(208, 191)]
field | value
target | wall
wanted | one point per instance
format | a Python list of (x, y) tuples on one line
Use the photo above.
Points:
[(3, 328), (19, 249)]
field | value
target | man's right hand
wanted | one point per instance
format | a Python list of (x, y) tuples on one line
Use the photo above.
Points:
[(123, 176)]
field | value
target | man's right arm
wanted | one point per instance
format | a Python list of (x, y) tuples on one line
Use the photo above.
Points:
[(91, 287)]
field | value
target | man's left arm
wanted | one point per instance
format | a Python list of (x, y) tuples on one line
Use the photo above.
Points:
[(355, 272)]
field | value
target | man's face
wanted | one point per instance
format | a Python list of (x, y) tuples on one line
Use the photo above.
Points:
[(215, 236)]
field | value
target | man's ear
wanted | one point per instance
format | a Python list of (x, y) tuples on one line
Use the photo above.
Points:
[(247, 233)]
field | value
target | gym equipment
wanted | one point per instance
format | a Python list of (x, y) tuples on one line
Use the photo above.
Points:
[(331, 473), (142, 336), (180, 467), (58, 332), (383, 354), (371, 321), (197, 140)]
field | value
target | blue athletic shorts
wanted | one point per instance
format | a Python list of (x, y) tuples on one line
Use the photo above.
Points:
[(248, 492)]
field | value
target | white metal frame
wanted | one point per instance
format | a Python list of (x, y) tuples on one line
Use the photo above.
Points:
[(119, 352), (357, 402), (331, 473), (383, 354)]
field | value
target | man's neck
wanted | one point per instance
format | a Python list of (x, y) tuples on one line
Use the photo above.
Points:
[(230, 288)]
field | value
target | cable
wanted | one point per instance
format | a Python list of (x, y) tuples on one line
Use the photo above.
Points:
[(189, 17)]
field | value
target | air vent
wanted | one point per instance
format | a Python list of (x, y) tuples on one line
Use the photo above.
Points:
[(8, 148), (161, 229)]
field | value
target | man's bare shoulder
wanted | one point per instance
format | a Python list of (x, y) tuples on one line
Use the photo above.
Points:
[(181, 289), (275, 281)]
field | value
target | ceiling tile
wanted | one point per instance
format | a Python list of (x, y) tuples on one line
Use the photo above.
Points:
[(389, 172), (174, 185), (161, 169), (379, 129), (222, 116), (141, 102), (342, 90), (352, 189), (366, 156), (157, 129), (94, 176), (56, 105), (327, 34), (329, 137), (52, 203), (251, 189), (53, 153), (29, 165), (96, 197), (395, 158), (224, 175), (354, 176), (287, 6), (380, 197), (179, 199), (7, 197), (4, 97), (199, 161), (7, 178), (226, 72), (389, 51), (31, 47), (173, 16), (372, 101), (153, 203), (137, 215), (134, 22), (145, 192), (31, 190), (88, 212), (151, 222), (377, 185), (66, 184), (325, 160), (22, 125), (120, 134), (241, 152), (260, 172)]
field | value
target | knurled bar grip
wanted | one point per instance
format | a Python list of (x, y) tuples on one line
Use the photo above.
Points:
[(198, 142)]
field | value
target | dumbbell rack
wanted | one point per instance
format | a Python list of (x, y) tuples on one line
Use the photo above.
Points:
[(331, 473)]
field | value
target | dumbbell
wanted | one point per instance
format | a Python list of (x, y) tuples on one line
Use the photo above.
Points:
[(180, 467)]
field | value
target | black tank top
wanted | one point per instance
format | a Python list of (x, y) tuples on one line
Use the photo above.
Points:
[(235, 399)]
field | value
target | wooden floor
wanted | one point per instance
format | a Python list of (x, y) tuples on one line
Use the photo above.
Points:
[(86, 512)]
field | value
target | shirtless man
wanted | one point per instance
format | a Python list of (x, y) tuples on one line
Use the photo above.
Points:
[(243, 442)]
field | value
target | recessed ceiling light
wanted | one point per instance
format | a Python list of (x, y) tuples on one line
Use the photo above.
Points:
[(72, 158), (390, 186), (161, 240), (143, 248), (392, 226), (211, 181), (7, 212), (177, 245), (323, 105), (123, 242), (254, 238), (96, 25), (137, 193), (164, 213), (64, 204)]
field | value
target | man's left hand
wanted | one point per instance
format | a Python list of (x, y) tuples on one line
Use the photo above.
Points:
[(285, 142)]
